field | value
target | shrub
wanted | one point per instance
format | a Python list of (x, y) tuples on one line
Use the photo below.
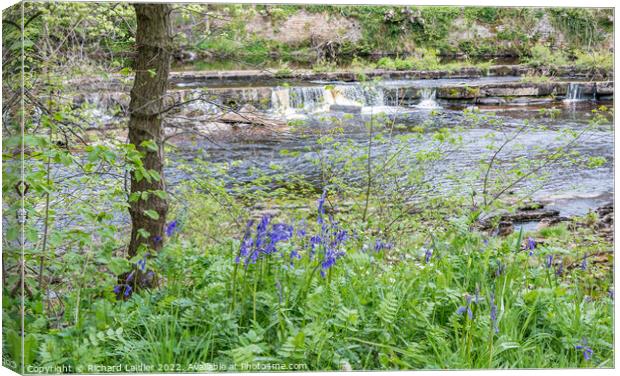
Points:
[(542, 56), (595, 60)]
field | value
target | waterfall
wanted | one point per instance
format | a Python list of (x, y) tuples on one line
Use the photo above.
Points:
[(280, 100), (574, 92), (199, 106), (309, 99), (359, 95), (321, 98), (428, 98)]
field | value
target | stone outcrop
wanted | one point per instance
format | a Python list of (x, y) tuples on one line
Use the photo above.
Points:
[(304, 26), (217, 78)]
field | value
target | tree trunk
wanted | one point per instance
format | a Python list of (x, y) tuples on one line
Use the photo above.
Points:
[(152, 65)]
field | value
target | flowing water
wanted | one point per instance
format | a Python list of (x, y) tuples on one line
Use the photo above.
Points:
[(322, 106), (572, 190)]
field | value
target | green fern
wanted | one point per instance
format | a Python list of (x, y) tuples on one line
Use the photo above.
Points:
[(388, 310)]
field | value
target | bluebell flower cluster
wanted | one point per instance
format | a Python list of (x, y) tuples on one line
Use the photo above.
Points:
[(325, 246), (585, 349), (171, 228), (584, 262), (263, 241), (549, 261), (560, 269), (141, 264), (531, 246), (428, 255), (124, 288), (466, 308), (493, 313), (328, 243), (381, 245)]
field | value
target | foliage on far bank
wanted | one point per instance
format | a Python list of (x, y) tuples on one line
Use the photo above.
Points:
[(216, 37)]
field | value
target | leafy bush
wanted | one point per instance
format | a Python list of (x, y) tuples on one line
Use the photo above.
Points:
[(542, 56), (603, 60)]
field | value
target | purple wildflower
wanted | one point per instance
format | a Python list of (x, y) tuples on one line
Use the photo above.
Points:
[(331, 255), (586, 350), (466, 307), (157, 239), (125, 288), (381, 245), (315, 241), (263, 241), (493, 313), (301, 229), (171, 228), (141, 264), (531, 245), (428, 254), (294, 255), (560, 269), (549, 261), (584, 262), (246, 243)]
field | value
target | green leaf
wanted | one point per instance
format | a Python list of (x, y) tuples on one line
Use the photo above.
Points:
[(138, 174), (151, 214), (154, 175), (143, 233), (125, 71), (159, 193), (118, 265), (149, 144)]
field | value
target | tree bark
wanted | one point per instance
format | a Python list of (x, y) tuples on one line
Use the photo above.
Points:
[(152, 66)]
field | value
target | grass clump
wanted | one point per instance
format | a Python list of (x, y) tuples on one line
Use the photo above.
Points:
[(422, 60)]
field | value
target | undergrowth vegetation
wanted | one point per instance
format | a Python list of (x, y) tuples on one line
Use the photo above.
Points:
[(314, 293)]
